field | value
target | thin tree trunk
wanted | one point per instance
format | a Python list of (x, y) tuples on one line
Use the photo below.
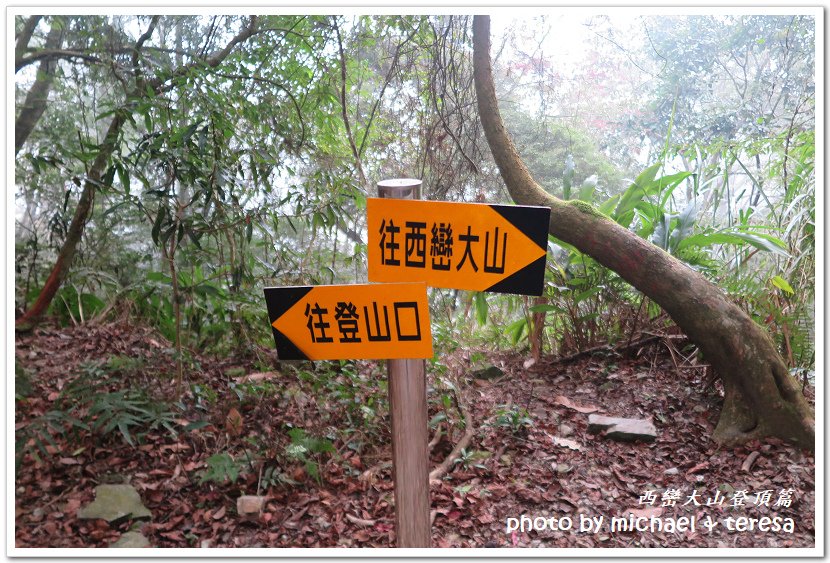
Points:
[(76, 228), (38, 96), (761, 398)]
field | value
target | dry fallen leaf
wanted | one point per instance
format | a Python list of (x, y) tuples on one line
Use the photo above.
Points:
[(252, 377), (565, 443), (647, 512), (699, 467), (233, 422), (565, 402)]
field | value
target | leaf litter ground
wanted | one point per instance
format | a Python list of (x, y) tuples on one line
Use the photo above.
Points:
[(551, 467)]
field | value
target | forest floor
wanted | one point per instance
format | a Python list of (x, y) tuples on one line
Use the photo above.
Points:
[(543, 464)]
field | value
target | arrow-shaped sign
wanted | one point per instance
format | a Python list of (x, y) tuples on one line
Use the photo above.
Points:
[(473, 246), (350, 322)]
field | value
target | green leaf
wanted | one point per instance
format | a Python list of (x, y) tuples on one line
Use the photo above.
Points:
[(124, 178), (157, 224), (159, 277), (758, 240), (516, 330), (624, 212), (480, 303), (647, 175), (782, 284), (582, 296), (685, 223), (661, 231)]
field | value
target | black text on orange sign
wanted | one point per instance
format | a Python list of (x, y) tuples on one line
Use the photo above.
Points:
[(480, 247), (340, 322)]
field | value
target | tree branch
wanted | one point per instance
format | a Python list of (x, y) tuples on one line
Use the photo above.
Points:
[(54, 54), (137, 50), (344, 112), (387, 80)]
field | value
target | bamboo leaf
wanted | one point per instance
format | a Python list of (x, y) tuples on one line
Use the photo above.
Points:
[(782, 284)]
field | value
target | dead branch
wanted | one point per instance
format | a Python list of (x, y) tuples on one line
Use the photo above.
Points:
[(469, 431), (749, 461)]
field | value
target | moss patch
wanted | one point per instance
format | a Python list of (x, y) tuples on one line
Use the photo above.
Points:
[(586, 208)]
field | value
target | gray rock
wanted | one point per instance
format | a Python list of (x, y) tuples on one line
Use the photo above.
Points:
[(132, 540), (671, 471), (115, 502), (565, 430), (490, 372), (622, 429)]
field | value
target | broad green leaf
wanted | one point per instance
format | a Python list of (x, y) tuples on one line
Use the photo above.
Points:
[(758, 240)]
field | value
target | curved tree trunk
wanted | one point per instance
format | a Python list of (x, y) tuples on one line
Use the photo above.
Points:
[(761, 398)]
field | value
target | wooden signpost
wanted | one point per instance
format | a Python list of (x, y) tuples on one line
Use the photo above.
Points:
[(415, 243), (473, 246), (408, 411)]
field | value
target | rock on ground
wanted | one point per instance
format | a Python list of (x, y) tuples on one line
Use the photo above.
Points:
[(115, 502), (622, 429)]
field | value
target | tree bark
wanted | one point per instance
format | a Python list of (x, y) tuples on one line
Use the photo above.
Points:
[(38, 96), (760, 397), (59, 271)]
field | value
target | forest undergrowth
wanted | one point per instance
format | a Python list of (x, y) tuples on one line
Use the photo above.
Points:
[(314, 440)]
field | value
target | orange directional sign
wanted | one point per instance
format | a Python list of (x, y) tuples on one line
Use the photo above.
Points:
[(350, 322), (473, 246)]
